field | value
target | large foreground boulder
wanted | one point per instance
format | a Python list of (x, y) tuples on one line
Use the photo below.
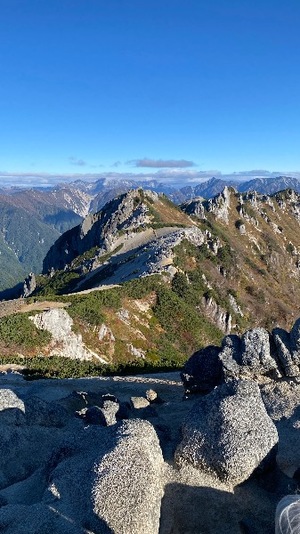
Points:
[(228, 432), (100, 480), (130, 502)]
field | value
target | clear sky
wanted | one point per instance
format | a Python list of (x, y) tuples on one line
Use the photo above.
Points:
[(92, 86)]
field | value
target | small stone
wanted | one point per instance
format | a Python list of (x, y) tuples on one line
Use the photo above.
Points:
[(110, 410), (151, 395), (139, 402), (94, 416)]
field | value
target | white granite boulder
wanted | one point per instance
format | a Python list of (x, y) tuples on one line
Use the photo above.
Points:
[(228, 432), (99, 480)]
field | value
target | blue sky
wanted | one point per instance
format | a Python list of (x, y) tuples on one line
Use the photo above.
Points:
[(98, 86)]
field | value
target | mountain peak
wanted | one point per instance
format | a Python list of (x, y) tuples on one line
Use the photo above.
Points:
[(120, 219)]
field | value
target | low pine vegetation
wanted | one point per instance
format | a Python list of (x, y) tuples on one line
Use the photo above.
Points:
[(17, 330), (174, 330)]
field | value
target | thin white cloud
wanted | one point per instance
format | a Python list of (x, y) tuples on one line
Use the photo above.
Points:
[(162, 163)]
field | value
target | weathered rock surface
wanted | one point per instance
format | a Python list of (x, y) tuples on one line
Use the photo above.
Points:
[(64, 341), (80, 478), (41, 413), (138, 449), (254, 355), (217, 314), (288, 349), (25, 449), (62, 475), (248, 355), (220, 204), (228, 432)]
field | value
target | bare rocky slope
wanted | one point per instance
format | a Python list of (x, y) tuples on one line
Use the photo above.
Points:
[(116, 224)]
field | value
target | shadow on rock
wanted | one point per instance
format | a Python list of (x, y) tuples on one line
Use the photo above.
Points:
[(198, 510)]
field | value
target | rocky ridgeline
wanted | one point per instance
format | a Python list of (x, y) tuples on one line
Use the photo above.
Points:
[(287, 200), (126, 213), (155, 256), (252, 242), (254, 355)]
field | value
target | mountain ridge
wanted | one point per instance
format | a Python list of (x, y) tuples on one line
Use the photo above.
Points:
[(61, 208), (154, 282)]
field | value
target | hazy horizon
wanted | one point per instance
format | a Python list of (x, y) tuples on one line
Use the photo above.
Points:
[(175, 178)]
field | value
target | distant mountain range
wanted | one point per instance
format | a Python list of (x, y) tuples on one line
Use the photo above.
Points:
[(31, 220), (104, 190)]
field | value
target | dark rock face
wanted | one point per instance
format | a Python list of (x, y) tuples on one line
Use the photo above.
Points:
[(94, 416), (102, 410), (104, 415), (203, 371), (228, 432)]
